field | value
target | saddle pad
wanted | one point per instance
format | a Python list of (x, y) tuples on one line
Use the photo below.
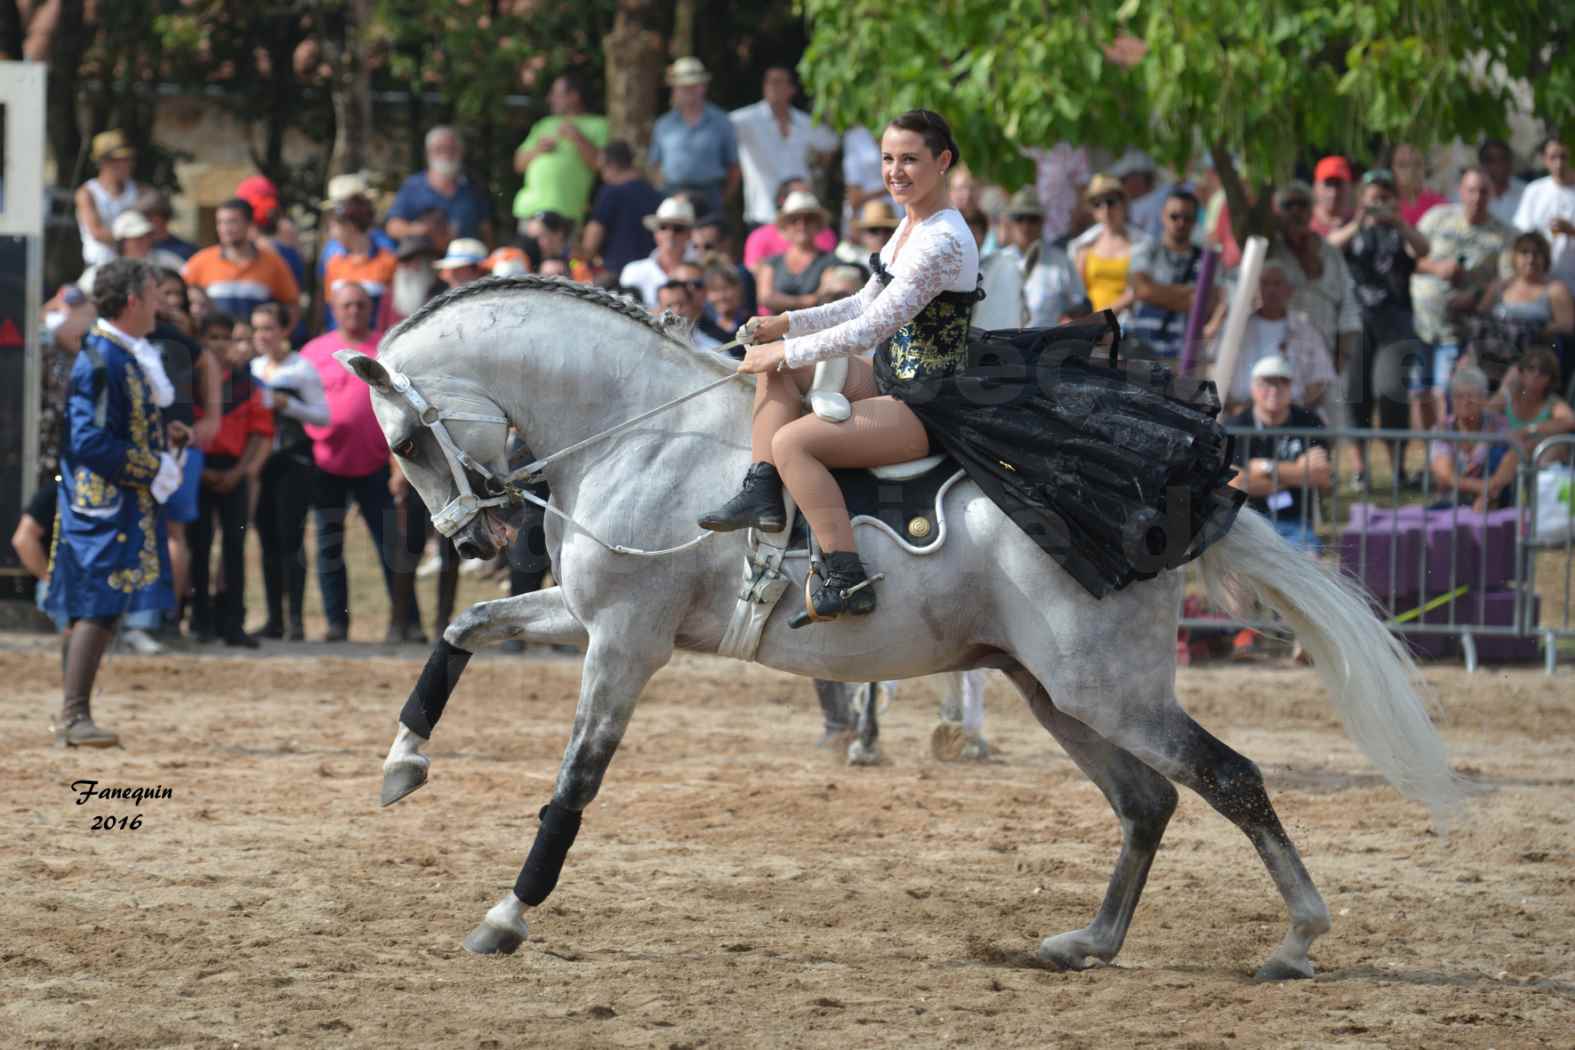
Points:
[(910, 510)]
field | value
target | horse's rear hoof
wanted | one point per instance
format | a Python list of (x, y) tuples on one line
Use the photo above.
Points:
[(488, 939), (400, 780), (1280, 970)]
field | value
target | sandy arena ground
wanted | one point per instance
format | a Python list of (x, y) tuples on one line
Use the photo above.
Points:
[(735, 887)]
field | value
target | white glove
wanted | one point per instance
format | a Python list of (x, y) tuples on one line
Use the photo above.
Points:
[(169, 477), (746, 334)]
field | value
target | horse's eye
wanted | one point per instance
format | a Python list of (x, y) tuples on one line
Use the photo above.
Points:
[(406, 448)]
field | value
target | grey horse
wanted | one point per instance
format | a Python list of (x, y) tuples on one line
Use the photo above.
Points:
[(565, 363)]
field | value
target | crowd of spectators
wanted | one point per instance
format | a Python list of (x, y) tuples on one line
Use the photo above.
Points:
[(1381, 300)]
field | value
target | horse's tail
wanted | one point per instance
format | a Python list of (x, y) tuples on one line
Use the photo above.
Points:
[(1373, 682)]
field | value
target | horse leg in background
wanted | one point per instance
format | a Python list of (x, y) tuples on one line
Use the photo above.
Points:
[(1167, 739), (835, 710), (609, 688), (864, 748), (960, 734), (540, 616), (1143, 801)]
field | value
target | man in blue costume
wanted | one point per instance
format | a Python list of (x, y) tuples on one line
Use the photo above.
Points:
[(109, 555)]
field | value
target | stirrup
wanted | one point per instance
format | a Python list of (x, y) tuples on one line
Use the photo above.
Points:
[(809, 614)]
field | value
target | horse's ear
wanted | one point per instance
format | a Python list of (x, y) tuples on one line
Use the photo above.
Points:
[(367, 369)]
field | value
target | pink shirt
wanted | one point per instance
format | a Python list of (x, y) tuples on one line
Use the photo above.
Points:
[(767, 241), (1413, 210), (353, 445)]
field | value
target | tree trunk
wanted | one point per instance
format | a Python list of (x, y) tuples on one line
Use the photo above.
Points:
[(683, 41), (68, 43), (284, 35), (636, 58), (352, 89), (1250, 216)]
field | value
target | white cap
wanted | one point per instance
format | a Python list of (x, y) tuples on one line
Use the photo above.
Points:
[(1275, 366), (129, 225), (463, 251)]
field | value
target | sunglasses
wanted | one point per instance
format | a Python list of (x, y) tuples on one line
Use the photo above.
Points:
[(1296, 205), (1180, 216), (1105, 202), (672, 227)]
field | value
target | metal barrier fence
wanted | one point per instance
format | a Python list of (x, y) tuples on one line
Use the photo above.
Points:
[(1443, 573)]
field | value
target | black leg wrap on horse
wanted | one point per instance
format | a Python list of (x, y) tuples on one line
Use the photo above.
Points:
[(438, 679), (553, 839)]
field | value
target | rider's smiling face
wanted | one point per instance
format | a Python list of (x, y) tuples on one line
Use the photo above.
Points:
[(911, 172)]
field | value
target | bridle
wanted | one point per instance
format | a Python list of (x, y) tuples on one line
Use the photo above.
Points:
[(509, 490), (463, 508)]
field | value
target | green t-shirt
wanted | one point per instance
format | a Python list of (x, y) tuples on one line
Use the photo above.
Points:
[(559, 179)]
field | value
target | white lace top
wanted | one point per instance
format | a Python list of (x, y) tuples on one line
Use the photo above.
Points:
[(939, 256)]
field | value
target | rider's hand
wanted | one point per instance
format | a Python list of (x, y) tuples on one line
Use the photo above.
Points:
[(766, 357), (758, 330)]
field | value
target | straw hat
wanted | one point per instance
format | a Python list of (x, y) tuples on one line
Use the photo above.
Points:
[(342, 186), (463, 251), (674, 211), (129, 225), (801, 202), (1101, 185), (111, 145), (1133, 162), (1024, 204), (687, 71), (877, 215)]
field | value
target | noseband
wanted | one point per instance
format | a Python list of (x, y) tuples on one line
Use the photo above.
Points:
[(463, 508)]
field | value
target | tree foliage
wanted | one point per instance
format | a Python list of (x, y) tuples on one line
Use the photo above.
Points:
[(1260, 80)]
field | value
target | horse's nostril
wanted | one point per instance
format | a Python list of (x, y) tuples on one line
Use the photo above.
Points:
[(467, 549)]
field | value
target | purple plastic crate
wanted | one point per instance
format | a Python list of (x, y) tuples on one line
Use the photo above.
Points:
[(1383, 550), (1493, 545), (1494, 608), (1449, 544)]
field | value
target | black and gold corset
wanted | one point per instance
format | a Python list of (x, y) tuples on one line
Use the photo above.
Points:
[(935, 342)]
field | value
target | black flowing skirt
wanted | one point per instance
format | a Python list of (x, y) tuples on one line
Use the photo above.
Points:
[(1118, 470)]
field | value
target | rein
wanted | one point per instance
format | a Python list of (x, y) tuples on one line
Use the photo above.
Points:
[(502, 491)]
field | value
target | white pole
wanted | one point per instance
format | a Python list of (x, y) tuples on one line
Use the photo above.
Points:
[(1241, 307)]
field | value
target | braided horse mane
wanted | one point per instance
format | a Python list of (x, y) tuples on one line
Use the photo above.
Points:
[(535, 283)]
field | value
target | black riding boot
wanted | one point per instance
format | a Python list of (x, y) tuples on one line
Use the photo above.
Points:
[(758, 504), (842, 589)]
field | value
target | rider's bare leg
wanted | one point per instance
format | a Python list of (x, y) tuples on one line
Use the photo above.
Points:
[(779, 399), (881, 430)]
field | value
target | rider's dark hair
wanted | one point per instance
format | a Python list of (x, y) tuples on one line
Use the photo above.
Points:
[(930, 125)]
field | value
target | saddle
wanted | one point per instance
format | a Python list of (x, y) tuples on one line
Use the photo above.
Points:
[(903, 499)]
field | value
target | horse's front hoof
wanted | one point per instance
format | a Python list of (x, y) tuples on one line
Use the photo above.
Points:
[(401, 779), (1069, 951), (1280, 970), (860, 755), (491, 939)]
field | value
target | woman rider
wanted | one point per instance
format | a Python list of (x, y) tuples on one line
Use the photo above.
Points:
[(1050, 438)]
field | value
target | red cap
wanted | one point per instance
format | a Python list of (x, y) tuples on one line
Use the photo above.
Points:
[(260, 193), (1332, 168)]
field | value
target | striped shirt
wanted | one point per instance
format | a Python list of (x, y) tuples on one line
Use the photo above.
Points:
[(239, 288)]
